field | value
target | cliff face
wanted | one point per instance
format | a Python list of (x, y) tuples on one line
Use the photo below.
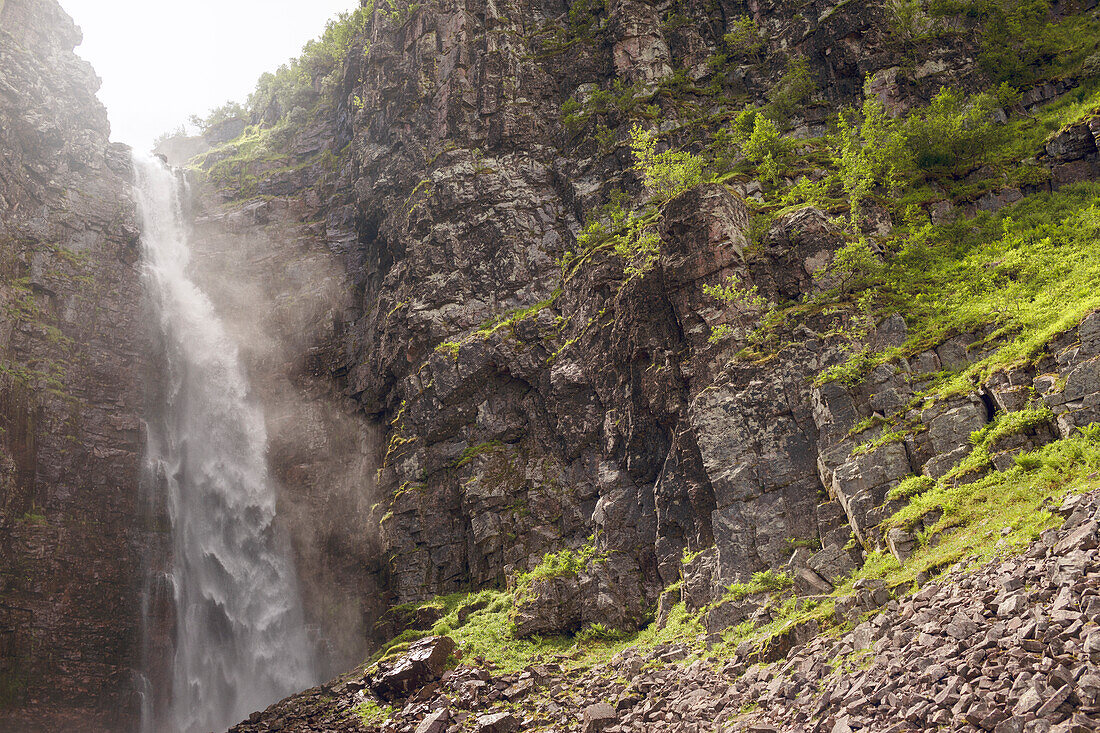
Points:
[(72, 350), (537, 402), (482, 338), (540, 394)]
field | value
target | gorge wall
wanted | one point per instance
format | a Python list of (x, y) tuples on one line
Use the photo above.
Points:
[(72, 526), (481, 338), (532, 402)]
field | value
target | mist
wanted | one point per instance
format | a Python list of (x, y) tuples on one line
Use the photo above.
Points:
[(281, 294)]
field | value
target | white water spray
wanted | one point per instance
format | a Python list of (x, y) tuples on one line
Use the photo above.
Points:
[(240, 641)]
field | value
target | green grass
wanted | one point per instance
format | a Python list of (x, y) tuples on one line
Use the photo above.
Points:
[(474, 451), (487, 634), (373, 712), (557, 564), (765, 581), (987, 519), (1030, 271), (510, 319), (1006, 424), (896, 436)]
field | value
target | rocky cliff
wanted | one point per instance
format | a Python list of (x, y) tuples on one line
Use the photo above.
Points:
[(621, 398), (542, 391), (645, 331), (1011, 647), (73, 349)]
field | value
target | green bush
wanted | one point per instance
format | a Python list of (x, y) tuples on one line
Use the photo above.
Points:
[(1013, 40), (908, 20), (763, 141), (867, 152), (228, 111), (668, 173), (293, 84), (766, 581), (952, 133), (910, 487), (744, 40), (793, 90), (628, 234), (557, 564)]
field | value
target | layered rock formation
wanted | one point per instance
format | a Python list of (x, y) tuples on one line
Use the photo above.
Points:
[(456, 387), (1012, 647), (534, 401), (73, 349)]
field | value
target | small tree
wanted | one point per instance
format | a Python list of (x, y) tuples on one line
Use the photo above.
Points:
[(666, 174), (793, 90), (744, 39), (952, 132), (738, 296), (908, 21), (867, 152), (765, 141)]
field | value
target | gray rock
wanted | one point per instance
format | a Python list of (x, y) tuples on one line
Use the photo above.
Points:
[(496, 723), (423, 663), (435, 722), (598, 717)]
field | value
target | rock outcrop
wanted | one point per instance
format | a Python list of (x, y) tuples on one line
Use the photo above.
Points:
[(534, 397), (73, 349), (463, 378), (1013, 646)]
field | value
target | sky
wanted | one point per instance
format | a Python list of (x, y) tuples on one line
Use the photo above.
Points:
[(162, 61)]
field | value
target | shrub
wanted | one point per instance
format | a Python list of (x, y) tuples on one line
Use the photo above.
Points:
[(908, 21), (293, 84), (557, 564), (228, 111), (855, 266), (867, 152), (910, 487), (951, 133), (766, 581), (735, 294), (745, 300), (1013, 39), (764, 140), (666, 174), (628, 234), (793, 90), (744, 40)]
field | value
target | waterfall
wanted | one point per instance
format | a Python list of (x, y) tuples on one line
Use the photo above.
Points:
[(239, 639)]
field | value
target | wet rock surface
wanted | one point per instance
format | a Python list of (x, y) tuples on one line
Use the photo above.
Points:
[(73, 529)]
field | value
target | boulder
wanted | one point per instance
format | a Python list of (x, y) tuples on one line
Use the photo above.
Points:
[(598, 717), (497, 723), (435, 722), (422, 664)]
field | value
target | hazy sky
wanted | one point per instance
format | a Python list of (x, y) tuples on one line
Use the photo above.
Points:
[(163, 61)]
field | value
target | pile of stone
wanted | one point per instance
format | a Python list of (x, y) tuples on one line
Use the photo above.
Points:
[(1012, 647)]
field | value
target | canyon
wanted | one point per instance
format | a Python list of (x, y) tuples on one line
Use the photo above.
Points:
[(652, 424)]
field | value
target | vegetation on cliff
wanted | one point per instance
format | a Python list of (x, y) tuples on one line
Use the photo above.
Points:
[(949, 218)]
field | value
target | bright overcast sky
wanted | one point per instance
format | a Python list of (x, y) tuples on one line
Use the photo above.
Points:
[(162, 61)]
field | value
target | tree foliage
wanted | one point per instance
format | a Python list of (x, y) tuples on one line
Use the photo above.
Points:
[(667, 173), (744, 39), (953, 132)]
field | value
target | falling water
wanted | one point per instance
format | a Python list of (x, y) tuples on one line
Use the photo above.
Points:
[(240, 642)]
